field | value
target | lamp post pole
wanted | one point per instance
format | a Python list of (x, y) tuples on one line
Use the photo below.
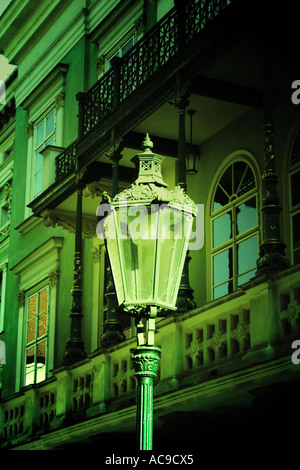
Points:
[(147, 266), (146, 359)]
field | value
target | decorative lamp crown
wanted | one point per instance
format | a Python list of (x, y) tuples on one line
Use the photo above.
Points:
[(149, 164)]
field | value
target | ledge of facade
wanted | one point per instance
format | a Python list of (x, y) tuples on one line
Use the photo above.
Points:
[(28, 224), (242, 383)]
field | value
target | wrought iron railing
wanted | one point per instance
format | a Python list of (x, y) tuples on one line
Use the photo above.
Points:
[(97, 102), (66, 161), (152, 52), (162, 43)]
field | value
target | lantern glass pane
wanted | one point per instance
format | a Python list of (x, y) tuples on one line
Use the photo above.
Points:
[(174, 232), (110, 228), (139, 255)]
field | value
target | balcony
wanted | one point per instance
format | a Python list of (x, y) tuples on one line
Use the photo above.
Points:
[(139, 83), (226, 351)]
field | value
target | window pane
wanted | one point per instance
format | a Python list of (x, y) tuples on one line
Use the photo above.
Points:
[(226, 181), (296, 255), (247, 254), (4, 216), (40, 133), (31, 330), (38, 183), (245, 277), (239, 169), (222, 228), (117, 54), (38, 162), (223, 266), (127, 46), (295, 188), (50, 141), (43, 298), (41, 362), (42, 326), (246, 216), (296, 230), (50, 124), (221, 199), (221, 290), (247, 182), (32, 306), (29, 368)]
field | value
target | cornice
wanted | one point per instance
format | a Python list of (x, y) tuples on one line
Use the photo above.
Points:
[(54, 243)]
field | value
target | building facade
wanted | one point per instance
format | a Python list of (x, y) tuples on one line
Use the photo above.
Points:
[(217, 92)]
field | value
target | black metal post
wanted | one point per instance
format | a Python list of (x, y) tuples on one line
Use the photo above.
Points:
[(185, 299), (181, 15), (112, 328), (75, 345), (80, 99), (116, 65), (272, 256)]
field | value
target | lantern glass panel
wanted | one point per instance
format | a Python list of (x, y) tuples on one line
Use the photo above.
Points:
[(138, 250), (174, 231), (112, 245)]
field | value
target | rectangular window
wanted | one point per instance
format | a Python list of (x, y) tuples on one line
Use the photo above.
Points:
[(3, 275), (1, 302), (44, 135), (36, 336), (121, 50)]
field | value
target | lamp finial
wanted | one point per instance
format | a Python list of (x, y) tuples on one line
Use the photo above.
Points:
[(147, 143)]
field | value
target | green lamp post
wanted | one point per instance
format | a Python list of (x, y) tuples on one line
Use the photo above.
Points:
[(146, 230)]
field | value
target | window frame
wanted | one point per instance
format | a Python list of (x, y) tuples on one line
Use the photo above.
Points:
[(37, 270), (3, 271), (38, 148), (37, 339), (235, 239), (5, 204), (293, 209), (47, 96), (117, 49)]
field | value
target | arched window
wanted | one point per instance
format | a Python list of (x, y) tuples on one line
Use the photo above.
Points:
[(294, 175), (234, 228)]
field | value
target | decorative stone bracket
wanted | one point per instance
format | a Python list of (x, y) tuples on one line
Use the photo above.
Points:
[(67, 220)]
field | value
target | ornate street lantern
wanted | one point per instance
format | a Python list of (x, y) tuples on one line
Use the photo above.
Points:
[(146, 231)]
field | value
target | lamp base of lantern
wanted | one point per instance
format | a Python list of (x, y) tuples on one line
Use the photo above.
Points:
[(146, 360)]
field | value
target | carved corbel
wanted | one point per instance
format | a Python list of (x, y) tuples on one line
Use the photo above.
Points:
[(60, 100), (50, 219), (30, 128), (100, 62), (21, 298), (53, 278)]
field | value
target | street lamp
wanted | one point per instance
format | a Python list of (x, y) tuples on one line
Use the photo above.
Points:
[(146, 230)]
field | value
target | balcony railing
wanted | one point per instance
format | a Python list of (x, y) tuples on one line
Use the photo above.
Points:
[(162, 43), (222, 338)]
